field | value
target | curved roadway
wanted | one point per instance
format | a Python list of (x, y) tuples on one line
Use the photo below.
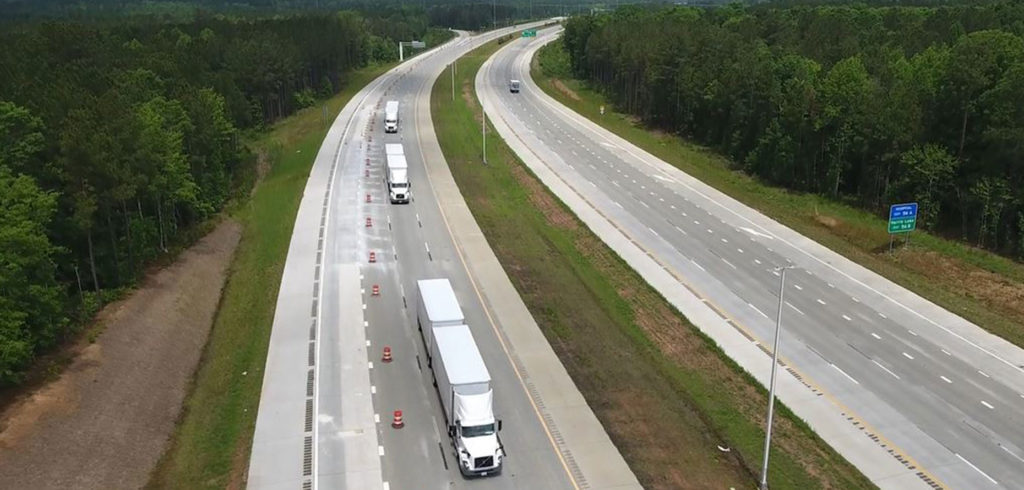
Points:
[(937, 401), (327, 403)]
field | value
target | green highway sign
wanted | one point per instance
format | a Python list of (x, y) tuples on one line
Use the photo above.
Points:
[(530, 33), (902, 218)]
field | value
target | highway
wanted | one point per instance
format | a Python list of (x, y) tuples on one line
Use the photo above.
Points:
[(328, 398), (940, 396)]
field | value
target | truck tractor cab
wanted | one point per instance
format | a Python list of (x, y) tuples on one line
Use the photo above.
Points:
[(513, 86)]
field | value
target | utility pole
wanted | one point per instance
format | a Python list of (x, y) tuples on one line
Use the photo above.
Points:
[(771, 385)]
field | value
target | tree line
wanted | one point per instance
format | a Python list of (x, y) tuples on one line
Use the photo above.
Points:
[(118, 138), (870, 105)]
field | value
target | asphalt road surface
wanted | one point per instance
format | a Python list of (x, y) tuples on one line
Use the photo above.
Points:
[(948, 400)]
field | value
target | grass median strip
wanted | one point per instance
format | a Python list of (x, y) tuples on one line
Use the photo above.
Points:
[(210, 447), (982, 287), (682, 414)]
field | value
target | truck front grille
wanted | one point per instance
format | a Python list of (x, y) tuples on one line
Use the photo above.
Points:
[(484, 462)]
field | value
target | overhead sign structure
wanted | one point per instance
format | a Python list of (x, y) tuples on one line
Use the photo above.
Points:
[(530, 33), (418, 45), (902, 218)]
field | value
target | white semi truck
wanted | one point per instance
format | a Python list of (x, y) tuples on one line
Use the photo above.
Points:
[(394, 149), (391, 116), (464, 386), (436, 307), (397, 179)]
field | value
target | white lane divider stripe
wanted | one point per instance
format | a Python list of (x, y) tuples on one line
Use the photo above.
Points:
[(759, 311), (795, 308), (987, 404), (983, 374), (821, 302), (977, 469), (885, 369), (908, 356), (844, 374), (847, 318), (875, 335), (947, 380), (798, 287)]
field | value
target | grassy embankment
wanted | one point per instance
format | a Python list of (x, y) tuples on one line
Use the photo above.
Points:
[(984, 288), (210, 447), (666, 395)]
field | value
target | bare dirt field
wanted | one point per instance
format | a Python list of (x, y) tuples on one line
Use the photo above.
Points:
[(105, 421)]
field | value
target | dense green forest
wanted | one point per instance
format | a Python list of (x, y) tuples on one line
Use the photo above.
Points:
[(459, 14), (865, 104), (118, 139)]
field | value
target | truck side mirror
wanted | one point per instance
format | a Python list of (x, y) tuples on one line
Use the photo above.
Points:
[(499, 424), (451, 431)]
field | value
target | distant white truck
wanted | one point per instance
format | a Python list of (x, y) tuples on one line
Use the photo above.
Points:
[(513, 86), (391, 116), (464, 386), (397, 179), (436, 307)]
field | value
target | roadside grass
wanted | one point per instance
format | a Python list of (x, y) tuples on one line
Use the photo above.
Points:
[(667, 396), (985, 288), (211, 444)]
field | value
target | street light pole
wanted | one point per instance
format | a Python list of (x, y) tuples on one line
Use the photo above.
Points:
[(771, 385)]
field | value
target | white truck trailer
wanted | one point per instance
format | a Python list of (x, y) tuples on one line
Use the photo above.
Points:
[(391, 116), (464, 386), (394, 149), (436, 306), (397, 179)]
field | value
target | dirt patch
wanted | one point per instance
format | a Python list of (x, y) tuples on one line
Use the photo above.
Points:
[(544, 201), (469, 96), (104, 422), (988, 287), (262, 168), (568, 92), (826, 221)]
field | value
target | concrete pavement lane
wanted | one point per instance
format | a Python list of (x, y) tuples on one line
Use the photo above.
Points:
[(947, 397), (327, 423)]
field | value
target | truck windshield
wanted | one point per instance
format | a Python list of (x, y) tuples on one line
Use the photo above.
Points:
[(478, 430), (399, 185)]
